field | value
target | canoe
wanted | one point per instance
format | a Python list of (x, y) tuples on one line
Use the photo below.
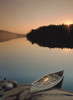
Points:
[(46, 82)]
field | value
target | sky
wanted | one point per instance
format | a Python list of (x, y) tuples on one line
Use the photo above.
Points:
[(21, 16)]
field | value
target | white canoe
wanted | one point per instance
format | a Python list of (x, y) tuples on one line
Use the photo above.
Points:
[(47, 82)]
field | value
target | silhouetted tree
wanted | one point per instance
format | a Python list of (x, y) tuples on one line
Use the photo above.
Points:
[(53, 36)]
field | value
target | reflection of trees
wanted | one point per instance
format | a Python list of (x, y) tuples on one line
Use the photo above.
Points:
[(53, 36)]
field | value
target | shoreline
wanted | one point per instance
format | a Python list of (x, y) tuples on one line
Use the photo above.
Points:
[(22, 92)]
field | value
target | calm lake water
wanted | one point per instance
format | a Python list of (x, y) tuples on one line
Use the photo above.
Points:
[(25, 62)]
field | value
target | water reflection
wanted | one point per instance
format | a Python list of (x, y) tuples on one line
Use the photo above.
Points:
[(24, 62), (6, 36)]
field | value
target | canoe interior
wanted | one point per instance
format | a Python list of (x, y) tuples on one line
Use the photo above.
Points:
[(49, 79), (60, 73)]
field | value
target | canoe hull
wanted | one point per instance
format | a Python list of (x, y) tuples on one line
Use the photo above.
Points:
[(34, 88)]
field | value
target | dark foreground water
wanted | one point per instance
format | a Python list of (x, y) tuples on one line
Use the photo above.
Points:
[(25, 62)]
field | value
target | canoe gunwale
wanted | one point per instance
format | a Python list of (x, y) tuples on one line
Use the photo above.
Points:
[(47, 75), (47, 84)]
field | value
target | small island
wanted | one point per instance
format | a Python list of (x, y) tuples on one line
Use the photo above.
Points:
[(53, 36)]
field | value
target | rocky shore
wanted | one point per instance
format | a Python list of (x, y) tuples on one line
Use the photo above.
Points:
[(22, 92), (11, 90)]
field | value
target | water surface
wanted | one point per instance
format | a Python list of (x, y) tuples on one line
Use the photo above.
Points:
[(25, 62)]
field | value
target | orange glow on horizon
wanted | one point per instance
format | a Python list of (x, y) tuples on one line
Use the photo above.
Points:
[(68, 23), (66, 50)]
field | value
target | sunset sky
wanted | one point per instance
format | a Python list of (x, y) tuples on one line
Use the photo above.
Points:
[(23, 15)]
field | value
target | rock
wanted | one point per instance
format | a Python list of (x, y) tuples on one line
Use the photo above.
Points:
[(2, 93), (0, 86), (24, 95), (18, 91), (22, 92), (15, 84), (52, 94), (11, 98)]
